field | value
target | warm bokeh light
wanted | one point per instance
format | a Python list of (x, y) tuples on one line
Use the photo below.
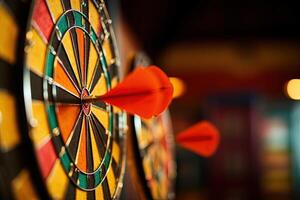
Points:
[(178, 85), (293, 89)]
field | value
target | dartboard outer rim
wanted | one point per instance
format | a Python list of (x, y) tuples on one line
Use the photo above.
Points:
[(21, 10)]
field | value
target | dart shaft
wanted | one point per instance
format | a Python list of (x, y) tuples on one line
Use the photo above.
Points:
[(90, 99)]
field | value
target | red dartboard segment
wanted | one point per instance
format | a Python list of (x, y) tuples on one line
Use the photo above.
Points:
[(99, 30), (42, 18), (46, 156), (163, 142)]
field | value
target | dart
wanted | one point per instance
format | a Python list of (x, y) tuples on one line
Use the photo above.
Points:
[(146, 92), (202, 138)]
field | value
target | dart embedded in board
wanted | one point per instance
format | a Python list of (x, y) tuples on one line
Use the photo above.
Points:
[(146, 92)]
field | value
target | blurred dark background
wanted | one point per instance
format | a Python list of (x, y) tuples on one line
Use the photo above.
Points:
[(235, 58)]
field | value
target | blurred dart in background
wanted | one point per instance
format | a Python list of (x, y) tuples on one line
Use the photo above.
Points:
[(202, 138)]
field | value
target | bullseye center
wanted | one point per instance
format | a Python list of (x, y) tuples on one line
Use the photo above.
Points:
[(86, 107)]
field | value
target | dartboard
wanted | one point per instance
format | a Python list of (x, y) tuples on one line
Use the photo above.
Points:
[(15, 178), (151, 149), (70, 55)]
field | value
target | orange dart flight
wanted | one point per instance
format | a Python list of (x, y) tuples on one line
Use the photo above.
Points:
[(203, 138), (146, 92)]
